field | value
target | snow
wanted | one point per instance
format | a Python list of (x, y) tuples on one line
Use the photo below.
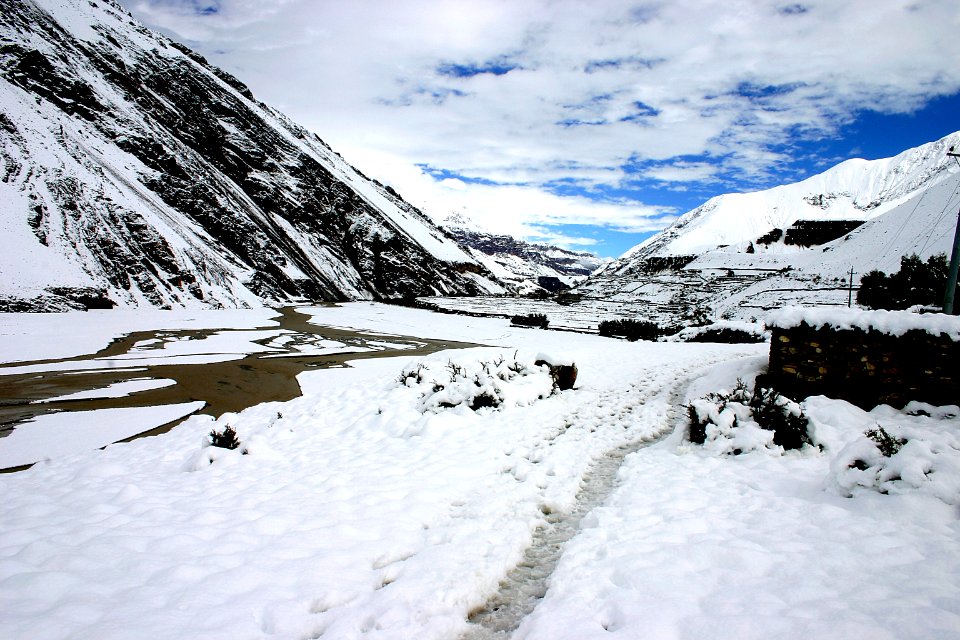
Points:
[(241, 341), (924, 456), (115, 390), (366, 510), (852, 190), (122, 364), (556, 360), (56, 435), (757, 330), (895, 323), (694, 544), (464, 382), (62, 335)]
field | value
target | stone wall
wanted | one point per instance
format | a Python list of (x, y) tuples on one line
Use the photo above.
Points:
[(865, 367)]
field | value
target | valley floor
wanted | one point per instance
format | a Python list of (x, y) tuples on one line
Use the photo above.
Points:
[(379, 506)]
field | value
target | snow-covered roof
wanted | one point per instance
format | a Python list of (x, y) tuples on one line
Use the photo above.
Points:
[(894, 323)]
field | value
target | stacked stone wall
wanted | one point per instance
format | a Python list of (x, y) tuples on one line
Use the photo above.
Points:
[(866, 368)]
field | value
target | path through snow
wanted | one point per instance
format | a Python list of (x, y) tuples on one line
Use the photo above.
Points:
[(527, 583), (354, 515)]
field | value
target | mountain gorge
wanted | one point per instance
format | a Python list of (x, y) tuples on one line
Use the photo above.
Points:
[(135, 173)]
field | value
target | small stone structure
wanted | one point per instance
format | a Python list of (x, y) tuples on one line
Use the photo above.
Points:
[(866, 358)]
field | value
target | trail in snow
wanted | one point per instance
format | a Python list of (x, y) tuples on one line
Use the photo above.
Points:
[(354, 515), (526, 584)]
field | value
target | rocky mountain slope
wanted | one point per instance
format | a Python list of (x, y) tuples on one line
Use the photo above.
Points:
[(722, 259), (525, 267), (135, 173)]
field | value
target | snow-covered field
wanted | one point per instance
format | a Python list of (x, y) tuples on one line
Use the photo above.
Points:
[(62, 335), (42, 336), (379, 505)]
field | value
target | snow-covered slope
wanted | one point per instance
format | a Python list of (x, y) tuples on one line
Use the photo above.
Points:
[(133, 172), (909, 204), (853, 190), (525, 267)]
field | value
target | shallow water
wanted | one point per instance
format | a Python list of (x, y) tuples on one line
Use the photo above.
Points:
[(232, 385)]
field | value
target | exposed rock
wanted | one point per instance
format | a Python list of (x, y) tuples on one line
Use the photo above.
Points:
[(142, 171)]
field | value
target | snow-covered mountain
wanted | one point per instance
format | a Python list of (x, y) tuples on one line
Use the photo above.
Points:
[(525, 267), (853, 190), (133, 172), (723, 257)]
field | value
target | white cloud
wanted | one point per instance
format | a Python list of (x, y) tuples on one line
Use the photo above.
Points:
[(516, 210), (593, 86), (683, 172)]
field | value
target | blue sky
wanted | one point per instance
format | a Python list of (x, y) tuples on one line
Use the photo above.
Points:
[(590, 125), (870, 135)]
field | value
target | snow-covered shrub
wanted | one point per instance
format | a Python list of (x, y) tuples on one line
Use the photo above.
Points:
[(741, 420), (531, 320), (726, 331), (477, 384), (707, 410), (726, 335), (781, 415), (563, 371), (222, 446), (887, 444), (631, 330), (226, 439), (921, 456), (946, 412)]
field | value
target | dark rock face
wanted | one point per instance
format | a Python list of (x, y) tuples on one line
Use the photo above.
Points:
[(170, 185), (552, 284), (810, 233)]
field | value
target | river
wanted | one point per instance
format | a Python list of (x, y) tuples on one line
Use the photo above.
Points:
[(224, 386)]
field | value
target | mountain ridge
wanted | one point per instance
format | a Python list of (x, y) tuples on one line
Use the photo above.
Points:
[(136, 173), (853, 189), (528, 268), (907, 204)]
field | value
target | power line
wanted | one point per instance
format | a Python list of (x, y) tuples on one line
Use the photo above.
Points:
[(850, 289), (951, 287), (948, 208), (883, 254)]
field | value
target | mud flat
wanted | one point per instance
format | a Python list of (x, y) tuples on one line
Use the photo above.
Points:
[(226, 382)]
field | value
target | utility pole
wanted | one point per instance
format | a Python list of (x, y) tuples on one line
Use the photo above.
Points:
[(850, 290), (955, 256)]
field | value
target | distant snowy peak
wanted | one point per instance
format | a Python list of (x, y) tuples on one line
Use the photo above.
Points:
[(852, 190), (527, 267), (133, 172), (461, 221)]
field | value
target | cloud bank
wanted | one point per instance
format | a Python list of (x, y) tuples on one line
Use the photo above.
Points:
[(552, 112)]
